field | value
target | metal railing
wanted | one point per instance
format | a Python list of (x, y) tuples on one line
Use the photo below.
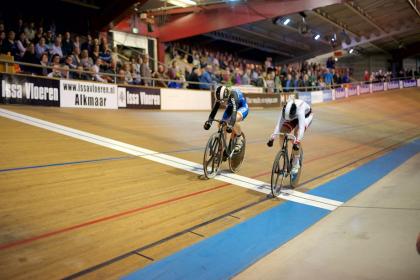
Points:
[(183, 83)]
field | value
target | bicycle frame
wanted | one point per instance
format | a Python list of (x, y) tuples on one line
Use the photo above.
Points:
[(221, 131), (287, 137)]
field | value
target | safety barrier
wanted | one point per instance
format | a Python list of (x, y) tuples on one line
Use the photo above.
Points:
[(326, 95), (36, 90)]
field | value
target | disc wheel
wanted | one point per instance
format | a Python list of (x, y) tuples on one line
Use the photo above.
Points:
[(236, 160)]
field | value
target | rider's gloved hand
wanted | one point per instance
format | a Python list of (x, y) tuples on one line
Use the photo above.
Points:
[(296, 144), (207, 125), (228, 129), (270, 142)]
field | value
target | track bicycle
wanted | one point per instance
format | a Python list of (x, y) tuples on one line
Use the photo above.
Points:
[(281, 176), (218, 150)]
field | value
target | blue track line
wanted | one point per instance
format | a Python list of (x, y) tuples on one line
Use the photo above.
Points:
[(65, 163), (231, 251)]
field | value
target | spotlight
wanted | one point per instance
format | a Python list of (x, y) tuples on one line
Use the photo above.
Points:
[(317, 36)]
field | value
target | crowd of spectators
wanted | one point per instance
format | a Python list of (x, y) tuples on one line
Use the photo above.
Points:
[(386, 76), (69, 55), (73, 56), (195, 64)]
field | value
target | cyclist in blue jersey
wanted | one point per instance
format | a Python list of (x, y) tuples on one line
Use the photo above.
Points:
[(236, 111)]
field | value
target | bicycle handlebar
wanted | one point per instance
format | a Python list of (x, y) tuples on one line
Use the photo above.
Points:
[(287, 135)]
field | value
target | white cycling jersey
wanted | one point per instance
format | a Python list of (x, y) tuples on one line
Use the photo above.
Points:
[(302, 117)]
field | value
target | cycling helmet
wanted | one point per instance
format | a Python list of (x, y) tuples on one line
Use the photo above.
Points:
[(221, 93), (289, 110)]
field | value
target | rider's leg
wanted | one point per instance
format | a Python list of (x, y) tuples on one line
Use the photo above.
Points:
[(237, 128), (296, 148), (237, 132)]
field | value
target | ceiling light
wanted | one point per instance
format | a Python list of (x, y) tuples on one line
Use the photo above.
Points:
[(317, 36), (286, 21), (135, 30), (182, 3), (351, 50)]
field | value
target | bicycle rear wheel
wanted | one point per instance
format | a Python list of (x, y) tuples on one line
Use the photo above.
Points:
[(295, 182), (279, 174), (212, 156), (236, 160)]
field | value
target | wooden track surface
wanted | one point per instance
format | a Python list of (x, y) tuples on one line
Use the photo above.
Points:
[(96, 197)]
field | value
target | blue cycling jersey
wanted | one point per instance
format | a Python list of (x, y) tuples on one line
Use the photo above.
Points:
[(241, 105), (240, 100)]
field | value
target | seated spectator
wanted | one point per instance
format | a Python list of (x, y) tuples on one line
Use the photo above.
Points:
[(40, 48), (56, 72), (39, 34), (55, 60), (121, 77), (65, 73), (2, 38), (205, 78), (21, 44), (106, 56), (79, 74), (85, 60), (262, 82), (246, 78), (49, 39), (44, 62), (173, 70), (159, 75), (112, 70), (69, 62), (288, 84), (306, 83), (328, 78), (9, 46), (127, 71), (95, 53), (88, 45), (76, 42), (56, 48), (96, 71), (30, 57), (145, 72), (30, 31), (75, 57), (67, 45)]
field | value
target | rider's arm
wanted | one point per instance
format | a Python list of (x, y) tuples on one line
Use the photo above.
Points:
[(279, 124), (301, 132), (214, 110), (232, 99)]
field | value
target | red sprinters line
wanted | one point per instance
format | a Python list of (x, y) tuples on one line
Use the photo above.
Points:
[(125, 213), (114, 216)]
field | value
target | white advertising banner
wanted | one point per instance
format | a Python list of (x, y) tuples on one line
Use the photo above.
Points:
[(249, 89), (79, 94), (185, 99), (317, 96)]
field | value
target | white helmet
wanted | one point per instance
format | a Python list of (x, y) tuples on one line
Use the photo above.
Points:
[(221, 93), (289, 110)]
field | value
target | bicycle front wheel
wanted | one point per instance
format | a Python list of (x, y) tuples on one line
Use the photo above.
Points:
[(212, 156), (279, 174)]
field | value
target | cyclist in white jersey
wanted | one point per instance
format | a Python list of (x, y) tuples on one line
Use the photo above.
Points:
[(295, 114)]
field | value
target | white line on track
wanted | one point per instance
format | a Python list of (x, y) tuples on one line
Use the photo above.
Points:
[(186, 165)]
